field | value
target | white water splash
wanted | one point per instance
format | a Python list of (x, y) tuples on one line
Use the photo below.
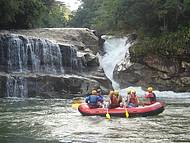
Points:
[(33, 55), (115, 49), (159, 94), (16, 87)]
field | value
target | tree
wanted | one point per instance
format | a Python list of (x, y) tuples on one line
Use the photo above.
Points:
[(8, 11), (146, 16), (32, 14), (57, 16)]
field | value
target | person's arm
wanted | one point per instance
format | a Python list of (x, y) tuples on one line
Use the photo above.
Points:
[(120, 99), (87, 99), (137, 99), (154, 95), (100, 98), (147, 98), (147, 95), (139, 102), (110, 101), (128, 98)]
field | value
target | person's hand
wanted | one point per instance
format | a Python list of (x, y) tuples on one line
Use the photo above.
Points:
[(121, 104)]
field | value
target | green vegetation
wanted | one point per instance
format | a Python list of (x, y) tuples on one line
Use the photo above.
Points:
[(103, 15), (171, 44), (162, 25), (19, 14), (146, 16)]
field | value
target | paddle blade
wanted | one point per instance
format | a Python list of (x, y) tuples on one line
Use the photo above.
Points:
[(126, 114), (75, 105), (108, 116)]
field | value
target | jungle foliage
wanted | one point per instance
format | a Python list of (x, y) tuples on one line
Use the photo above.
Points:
[(172, 44), (19, 14), (162, 25), (147, 16)]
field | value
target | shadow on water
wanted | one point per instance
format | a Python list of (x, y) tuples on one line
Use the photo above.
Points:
[(54, 121)]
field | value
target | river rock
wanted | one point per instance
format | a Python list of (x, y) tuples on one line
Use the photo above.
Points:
[(32, 58), (45, 86), (2, 86), (82, 38), (166, 65), (159, 72)]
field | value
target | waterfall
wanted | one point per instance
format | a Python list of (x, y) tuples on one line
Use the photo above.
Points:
[(116, 50), (16, 87), (21, 55), (33, 55)]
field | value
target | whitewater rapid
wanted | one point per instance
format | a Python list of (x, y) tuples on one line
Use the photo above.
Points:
[(116, 49)]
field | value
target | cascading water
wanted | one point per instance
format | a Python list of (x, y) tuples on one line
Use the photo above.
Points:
[(21, 56), (53, 120), (116, 49), (30, 55), (16, 87), (35, 55)]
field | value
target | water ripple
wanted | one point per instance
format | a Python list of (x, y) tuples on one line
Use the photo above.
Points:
[(54, 121)]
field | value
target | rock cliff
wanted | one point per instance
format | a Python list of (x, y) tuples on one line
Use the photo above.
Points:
[(163, 73), (54, 62)]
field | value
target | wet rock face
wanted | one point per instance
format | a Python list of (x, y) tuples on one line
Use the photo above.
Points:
[(36, 66), (22, 54), (48, 86), (161, 73), (2, 86), (82, 38), (71, 63), (170, 66)]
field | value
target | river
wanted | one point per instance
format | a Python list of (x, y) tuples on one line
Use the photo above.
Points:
[(54, 121), (34, 120)]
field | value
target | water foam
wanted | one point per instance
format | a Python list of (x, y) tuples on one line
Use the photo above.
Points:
[(116, 49)]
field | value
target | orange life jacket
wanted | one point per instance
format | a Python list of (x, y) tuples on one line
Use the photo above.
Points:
[(114, 99), (151, 96), (133, 99)]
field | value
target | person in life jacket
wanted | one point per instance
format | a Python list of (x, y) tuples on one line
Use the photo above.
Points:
[(115, 99), (132, 99), (150, 95), (93, 99), (101, 98)]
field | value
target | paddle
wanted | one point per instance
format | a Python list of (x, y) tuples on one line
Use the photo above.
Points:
[(107, 114), (125, 105), (126, 113), (76, 103)]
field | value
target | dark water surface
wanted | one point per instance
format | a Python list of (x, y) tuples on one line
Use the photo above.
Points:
[(54, 121)]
